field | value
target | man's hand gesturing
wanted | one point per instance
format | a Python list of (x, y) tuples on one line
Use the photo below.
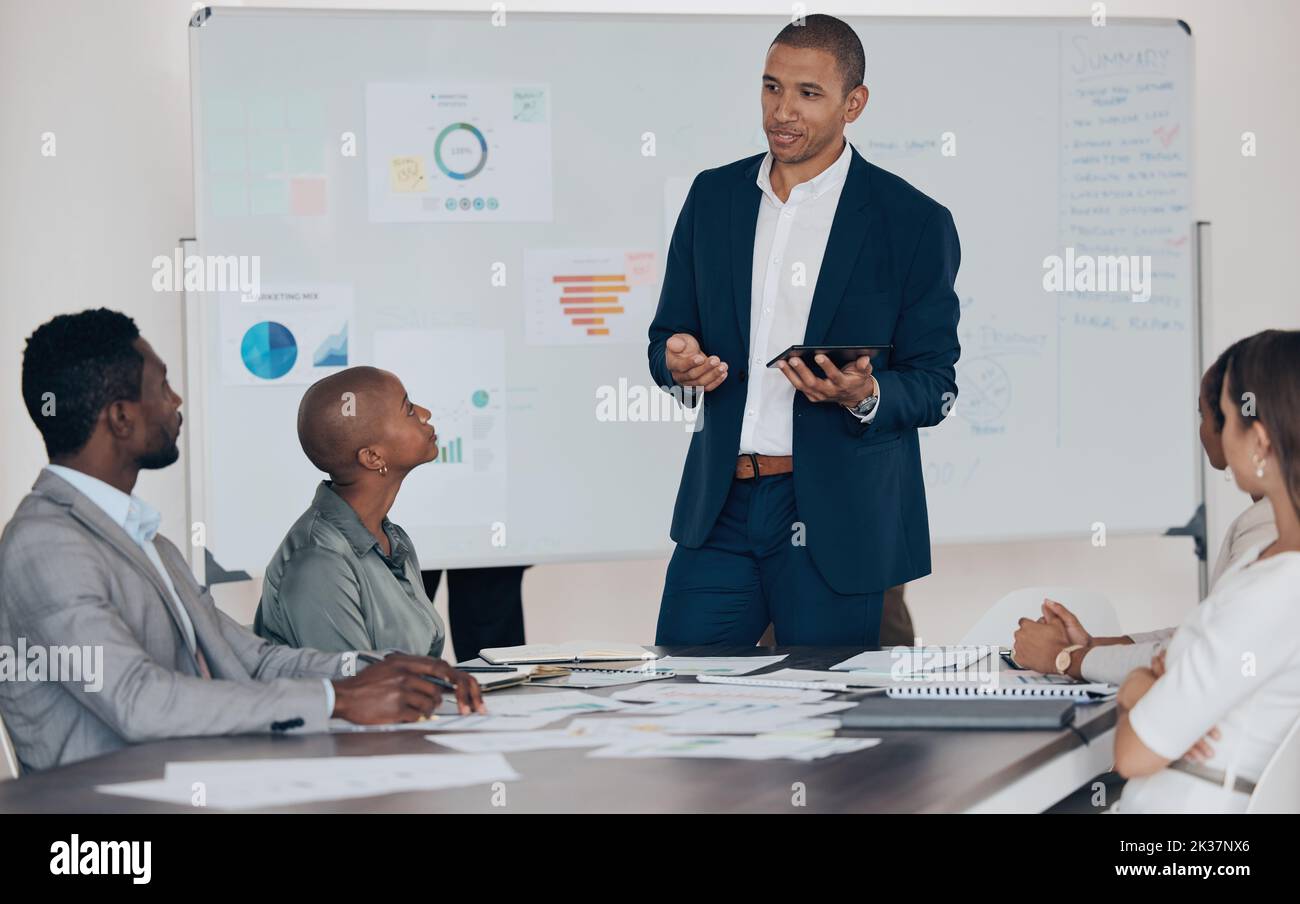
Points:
[(690, 366)]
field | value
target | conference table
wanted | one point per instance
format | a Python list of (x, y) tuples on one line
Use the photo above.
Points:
[(910, 771)]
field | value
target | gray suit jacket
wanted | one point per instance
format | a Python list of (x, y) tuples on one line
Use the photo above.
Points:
[(70, 576)]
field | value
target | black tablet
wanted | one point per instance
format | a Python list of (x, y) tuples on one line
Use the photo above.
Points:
[(840, 354)]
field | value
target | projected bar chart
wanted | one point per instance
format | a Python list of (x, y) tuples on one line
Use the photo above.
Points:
[(589, 297), (450, 452), (586, 295)]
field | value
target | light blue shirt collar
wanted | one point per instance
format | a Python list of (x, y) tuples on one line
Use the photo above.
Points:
[(129, 512)]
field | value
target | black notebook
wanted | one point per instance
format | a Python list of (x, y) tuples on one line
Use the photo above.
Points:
[(981, 715)]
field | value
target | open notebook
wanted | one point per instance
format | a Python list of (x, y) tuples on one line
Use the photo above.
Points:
[(576, 651), (916, 660)]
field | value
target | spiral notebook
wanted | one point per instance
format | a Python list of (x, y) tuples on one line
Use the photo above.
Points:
[(588, 677), (937, 690)]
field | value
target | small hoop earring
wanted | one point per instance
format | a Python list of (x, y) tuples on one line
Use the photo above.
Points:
[(383, 471)]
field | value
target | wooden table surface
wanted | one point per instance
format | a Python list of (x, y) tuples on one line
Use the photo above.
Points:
[(911, 771)]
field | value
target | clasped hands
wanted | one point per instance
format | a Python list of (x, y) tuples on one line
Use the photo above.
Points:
[(1037, 641)]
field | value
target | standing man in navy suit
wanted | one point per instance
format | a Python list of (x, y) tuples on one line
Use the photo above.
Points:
[(802, 498)]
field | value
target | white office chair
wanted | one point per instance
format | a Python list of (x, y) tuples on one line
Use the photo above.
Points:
[(8, 756), (1278, 788), (997, 626)]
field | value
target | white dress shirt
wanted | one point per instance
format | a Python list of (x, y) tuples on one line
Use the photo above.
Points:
[(141, 522), (1234, 663), (787, 234), (1253, 528)]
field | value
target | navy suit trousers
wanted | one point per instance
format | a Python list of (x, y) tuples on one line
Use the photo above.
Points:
[(753, 569)]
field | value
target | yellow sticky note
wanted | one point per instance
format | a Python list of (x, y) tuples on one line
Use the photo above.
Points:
[(406, 174)]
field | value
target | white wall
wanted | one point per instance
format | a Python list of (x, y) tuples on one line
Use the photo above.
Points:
[(111, 81)]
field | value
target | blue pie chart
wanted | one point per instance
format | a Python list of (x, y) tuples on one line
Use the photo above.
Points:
[(268, 350)]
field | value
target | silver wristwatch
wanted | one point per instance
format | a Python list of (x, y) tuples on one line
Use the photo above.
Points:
[(866, 406)]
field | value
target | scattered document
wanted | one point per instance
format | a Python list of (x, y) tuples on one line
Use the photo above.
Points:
[(516, 741), (783, 722), (915, 660), (539, 701), (738, 748), (343, 726), (253, 784), (657, 693), (588, 679), (810, 679), (726, 708), (492, 722), (718, 665)]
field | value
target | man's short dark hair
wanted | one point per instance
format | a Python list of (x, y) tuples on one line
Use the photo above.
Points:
[(822, 32), (74, 366)]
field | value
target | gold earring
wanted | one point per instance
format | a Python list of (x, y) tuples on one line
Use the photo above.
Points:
[(383, 470)]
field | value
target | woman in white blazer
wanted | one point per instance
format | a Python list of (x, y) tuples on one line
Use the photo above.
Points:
[(1109, 659), (1232, 669)]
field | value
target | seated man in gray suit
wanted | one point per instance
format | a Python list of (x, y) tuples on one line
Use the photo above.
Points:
[(83, 569)]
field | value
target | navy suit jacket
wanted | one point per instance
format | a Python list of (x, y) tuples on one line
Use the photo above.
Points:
[(887, 275)]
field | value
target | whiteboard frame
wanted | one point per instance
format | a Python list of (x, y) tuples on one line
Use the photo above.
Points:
[(197, 340)]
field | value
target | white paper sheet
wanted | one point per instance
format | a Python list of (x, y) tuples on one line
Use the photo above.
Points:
[(540, 701), (458, 152), (598, 679), (853, 679), (596, 727), (718, 665), (493, 722), (724, 708), (253, 784), (515, 741), (657, 693), (915, 660), (343, 726), (727, 747)]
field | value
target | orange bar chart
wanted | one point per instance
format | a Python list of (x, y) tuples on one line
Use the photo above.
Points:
[(587, 288), (589, 296)]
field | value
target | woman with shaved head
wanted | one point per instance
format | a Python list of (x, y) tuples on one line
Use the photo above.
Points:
[(345, 577)]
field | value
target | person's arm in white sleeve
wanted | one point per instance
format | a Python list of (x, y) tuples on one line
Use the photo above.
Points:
[(1210, 677), (1111, 663)]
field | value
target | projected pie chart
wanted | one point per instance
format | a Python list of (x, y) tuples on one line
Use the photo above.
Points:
[(269, 350), (461, 151)]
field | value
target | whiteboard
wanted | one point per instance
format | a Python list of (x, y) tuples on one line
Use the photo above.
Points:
[(430, 194)]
